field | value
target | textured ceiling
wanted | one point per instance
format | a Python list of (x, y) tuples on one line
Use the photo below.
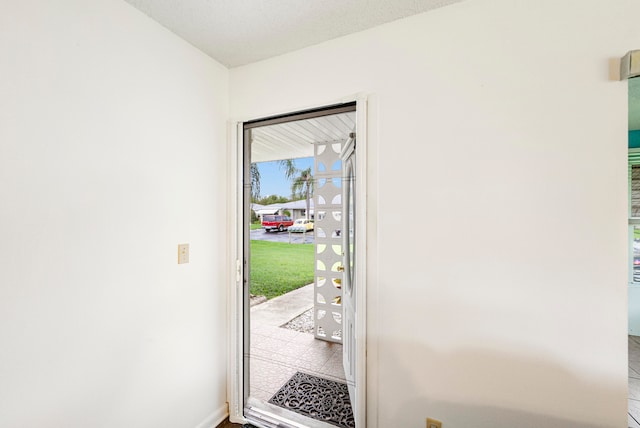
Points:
[(238, 32), (292, 140), (634, 104)]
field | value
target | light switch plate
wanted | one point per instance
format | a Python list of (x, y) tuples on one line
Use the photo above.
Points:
[(432, 423), (183, 253)]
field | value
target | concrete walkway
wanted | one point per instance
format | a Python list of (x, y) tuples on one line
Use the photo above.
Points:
[(276, 354), (282, 309)]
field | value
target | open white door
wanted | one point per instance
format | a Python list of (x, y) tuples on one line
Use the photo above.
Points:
[(634, 211), (243, 407), (349, 288), (634, 242)]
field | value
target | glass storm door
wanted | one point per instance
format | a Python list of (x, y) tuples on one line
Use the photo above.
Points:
[(348, 253)]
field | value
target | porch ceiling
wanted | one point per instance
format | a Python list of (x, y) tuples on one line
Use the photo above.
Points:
[(295, 139)]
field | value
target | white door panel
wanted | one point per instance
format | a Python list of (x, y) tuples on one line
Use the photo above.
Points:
[(634, 310), (349, 288)]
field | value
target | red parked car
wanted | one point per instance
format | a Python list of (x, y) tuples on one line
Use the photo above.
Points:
[(276, 222)]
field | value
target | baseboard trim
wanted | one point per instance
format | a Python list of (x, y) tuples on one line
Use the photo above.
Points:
[(215, 418)]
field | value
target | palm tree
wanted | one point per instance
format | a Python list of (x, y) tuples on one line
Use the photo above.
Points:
[(287, 165), (303, 185), (255, 182)]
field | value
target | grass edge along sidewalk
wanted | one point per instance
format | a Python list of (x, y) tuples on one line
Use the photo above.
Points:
[(279, 267)]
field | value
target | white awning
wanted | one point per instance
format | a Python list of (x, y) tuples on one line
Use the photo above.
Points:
[(267, 211)]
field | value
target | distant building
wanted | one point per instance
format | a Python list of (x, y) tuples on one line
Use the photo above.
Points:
[(296, 208)]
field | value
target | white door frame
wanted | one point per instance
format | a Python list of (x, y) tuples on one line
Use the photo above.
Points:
[(235, 387)]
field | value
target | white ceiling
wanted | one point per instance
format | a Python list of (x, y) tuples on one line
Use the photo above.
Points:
[(238, 32), (634, 104), (292, 140)]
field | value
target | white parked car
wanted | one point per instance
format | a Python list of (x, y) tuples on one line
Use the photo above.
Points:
[(301, 225)]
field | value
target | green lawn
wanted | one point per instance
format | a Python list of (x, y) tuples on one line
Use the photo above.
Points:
[(255, 226), (278, 267)]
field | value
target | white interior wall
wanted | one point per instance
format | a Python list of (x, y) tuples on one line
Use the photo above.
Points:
[(112, 152), (497, 123)]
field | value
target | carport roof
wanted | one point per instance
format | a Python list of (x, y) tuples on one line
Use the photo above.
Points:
[(293, 205)]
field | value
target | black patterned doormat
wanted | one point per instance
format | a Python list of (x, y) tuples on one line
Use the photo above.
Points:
[(321, 399)]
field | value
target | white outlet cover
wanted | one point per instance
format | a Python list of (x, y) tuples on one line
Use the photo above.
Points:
[(183, 253)]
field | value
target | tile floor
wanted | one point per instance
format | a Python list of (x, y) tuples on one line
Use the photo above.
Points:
[(278, 353), (634, 382)]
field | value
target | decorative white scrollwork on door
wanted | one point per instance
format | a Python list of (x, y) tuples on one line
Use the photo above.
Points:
[(327, 200)]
